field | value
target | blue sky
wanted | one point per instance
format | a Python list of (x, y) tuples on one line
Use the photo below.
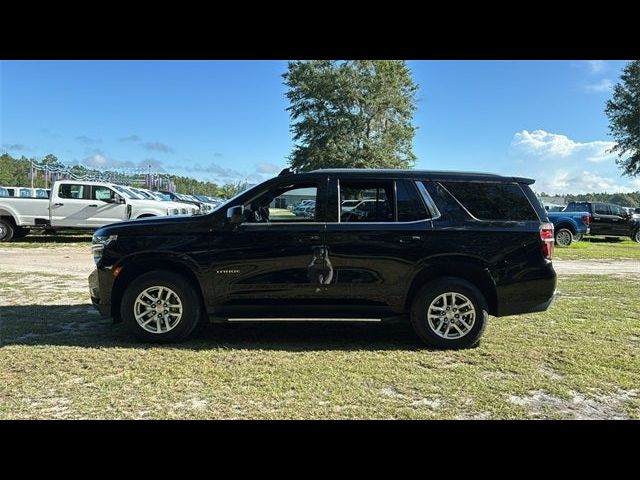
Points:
[(226, 120)]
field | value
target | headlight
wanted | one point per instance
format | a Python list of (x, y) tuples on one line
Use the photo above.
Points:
[(98, 242)]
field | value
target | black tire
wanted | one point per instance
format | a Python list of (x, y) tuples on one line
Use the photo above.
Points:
[(6, 230), (431, 292), (636, 236), (577, 237), (188, 297), (563, 237)]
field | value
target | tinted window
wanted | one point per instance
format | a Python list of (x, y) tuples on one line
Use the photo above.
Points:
[(410, 207), (601, 209), (492, 201), (376, 201), (577, 207), (446, 204), (616, 210), (71, 190), (102, 193)]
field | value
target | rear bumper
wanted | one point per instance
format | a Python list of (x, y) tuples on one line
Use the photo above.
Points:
[(100, 302)]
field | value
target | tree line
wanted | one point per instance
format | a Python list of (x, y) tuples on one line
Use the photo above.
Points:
[(16, 172)]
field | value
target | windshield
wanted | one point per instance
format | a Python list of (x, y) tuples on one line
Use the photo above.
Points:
[(142, 193), (126, 192)]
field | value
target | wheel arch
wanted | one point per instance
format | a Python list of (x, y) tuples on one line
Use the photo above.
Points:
[(568, 225), (137, 266), (468, 270)]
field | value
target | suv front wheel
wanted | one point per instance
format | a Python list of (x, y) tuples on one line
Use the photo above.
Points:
[(449, 313), (160, 307)]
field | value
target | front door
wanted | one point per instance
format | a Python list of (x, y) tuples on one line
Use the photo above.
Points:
[(602, 221), (105, 207), (276, 257), (619, 221)]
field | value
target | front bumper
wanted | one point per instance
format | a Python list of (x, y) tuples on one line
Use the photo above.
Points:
[(100, 302)]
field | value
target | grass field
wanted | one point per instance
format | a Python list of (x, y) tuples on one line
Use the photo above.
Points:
[(598, 248), (60, 360)]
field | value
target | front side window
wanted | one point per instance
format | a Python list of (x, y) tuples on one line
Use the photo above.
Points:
[(493, 201), (289, 203), (370, 201), (103, 194), (72, 191), (616, 210)]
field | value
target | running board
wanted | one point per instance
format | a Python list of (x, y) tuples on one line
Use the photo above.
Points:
[(302, 319)]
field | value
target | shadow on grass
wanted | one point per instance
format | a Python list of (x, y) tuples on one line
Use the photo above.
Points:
[(80, 325), (603, 239)]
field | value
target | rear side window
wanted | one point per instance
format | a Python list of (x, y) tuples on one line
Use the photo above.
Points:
[(72, 190), (493, 201), (601, 209), (374, 201)]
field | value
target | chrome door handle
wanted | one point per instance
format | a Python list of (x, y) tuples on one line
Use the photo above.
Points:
[(58, 204)]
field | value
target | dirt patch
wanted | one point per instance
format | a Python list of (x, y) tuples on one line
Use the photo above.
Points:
[(597, 267), (580, 407)]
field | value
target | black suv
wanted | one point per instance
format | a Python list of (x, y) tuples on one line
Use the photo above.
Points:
[(608, 219), (445, 249)]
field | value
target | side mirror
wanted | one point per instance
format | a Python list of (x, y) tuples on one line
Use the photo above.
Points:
[(119, 199), (235, 215)]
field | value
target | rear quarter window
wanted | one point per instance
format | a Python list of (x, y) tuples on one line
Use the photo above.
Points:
[(493, 201)]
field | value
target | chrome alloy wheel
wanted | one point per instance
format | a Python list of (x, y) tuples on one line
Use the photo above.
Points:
[(451, 315), (3, 231), (158, 309), (563, 238)]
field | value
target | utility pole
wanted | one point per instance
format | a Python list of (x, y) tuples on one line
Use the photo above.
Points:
[(32, 173)]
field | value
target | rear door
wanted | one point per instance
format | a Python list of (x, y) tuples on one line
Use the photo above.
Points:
[(372, 252), (70, 206)]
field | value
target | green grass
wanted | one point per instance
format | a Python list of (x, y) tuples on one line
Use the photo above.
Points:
[(599, 248), (579, 359)]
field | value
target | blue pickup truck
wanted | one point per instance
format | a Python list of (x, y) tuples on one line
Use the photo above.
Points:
[(569, 226)]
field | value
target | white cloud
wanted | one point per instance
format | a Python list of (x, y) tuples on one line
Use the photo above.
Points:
[(603, 85), (596, 66), (562, 165), (551, 145)]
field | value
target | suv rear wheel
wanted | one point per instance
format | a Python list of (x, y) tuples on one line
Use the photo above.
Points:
[(564, 237), (449, 313), (160, 307)]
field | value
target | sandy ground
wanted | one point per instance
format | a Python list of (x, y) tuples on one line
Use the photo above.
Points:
[(78, 261)]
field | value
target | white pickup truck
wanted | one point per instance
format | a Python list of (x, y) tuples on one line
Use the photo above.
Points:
[(77, 205)]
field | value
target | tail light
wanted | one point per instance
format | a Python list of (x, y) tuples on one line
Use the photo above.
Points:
[(586, 219), (546, 235)]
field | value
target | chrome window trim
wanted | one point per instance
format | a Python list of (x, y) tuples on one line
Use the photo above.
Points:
[(428, 201)]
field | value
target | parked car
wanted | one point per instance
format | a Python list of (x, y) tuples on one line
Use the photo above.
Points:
[(457, 248), (608, 219), (569, 226), (76, 205)]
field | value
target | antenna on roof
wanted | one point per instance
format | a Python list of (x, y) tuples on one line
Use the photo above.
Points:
[(285, 171)]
